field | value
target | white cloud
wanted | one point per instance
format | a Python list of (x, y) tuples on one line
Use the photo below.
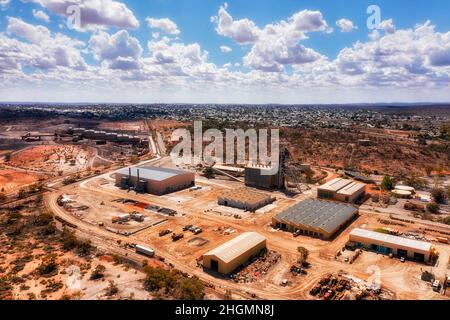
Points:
[(42, 49), (242, 31), (120, 50), (225, 49), (403, 58), (164, 24), (413, 62), (388, 26), (95, 13), (346, 25), (277, 44), (41, 15), (32, 33)]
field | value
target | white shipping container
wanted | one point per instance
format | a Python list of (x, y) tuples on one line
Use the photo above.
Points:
[(145, 251)]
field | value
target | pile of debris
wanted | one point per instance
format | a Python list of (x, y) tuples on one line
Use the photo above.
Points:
[(256, 267), (345, 287), (416, 236)]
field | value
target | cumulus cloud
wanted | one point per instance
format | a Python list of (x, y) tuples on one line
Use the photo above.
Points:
[(120, 50), (32, 33), (401, 58), (242, 31), (94, 13), (277, 44), (225, 49), (346, 25), (164, 24), (42, 49), (396, 59)]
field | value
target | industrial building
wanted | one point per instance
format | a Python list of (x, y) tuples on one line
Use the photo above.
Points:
[(105, 136), (389, 244), (154, 180), (244, 198), (316, 218), (342, 190), (261, 176), (234, 253)]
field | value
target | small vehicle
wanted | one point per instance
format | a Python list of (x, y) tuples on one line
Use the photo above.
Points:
[(165, 232), (402, 259), (347, 259), (436, 286), (186, 228), (176, 237), (296, 233), (197, 231)]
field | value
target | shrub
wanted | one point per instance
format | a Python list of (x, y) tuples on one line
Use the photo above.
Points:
[(433, 207), (112, 289), (48, 267), (304, 253), (387, 184), (98, 273), (438, 195), (158, 278), (192, 289)]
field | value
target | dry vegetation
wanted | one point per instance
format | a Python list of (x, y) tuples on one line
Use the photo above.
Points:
[(340, 149)]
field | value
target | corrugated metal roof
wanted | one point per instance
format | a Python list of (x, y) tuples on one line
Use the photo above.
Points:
[(234, 248), (318, 214), (335, 184), (244, 195), (153, 173), (352, 188), (393, 240)]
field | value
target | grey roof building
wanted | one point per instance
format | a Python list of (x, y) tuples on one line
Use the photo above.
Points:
[(154, 180), (317, 218)]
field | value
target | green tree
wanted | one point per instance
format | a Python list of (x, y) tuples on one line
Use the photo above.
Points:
[(304, 253), (387, 184), (157, 278), (8, 157), (438, 195), (98, 273), (112, 289), (48, 267), (22, 194), (192, 289), (68, 239), (433, 207)]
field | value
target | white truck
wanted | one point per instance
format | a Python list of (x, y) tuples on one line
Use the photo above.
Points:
[(145, 251)]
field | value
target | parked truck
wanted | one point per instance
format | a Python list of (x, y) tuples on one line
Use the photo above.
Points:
[(145, 251)]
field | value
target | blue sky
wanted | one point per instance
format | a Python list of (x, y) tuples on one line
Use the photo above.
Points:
[(282, 51)]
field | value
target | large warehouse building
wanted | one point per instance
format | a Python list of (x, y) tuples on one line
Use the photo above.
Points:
[(316, 218), (387, 244), (154, 180), (244, 198), (342, 190), (234, 253)]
